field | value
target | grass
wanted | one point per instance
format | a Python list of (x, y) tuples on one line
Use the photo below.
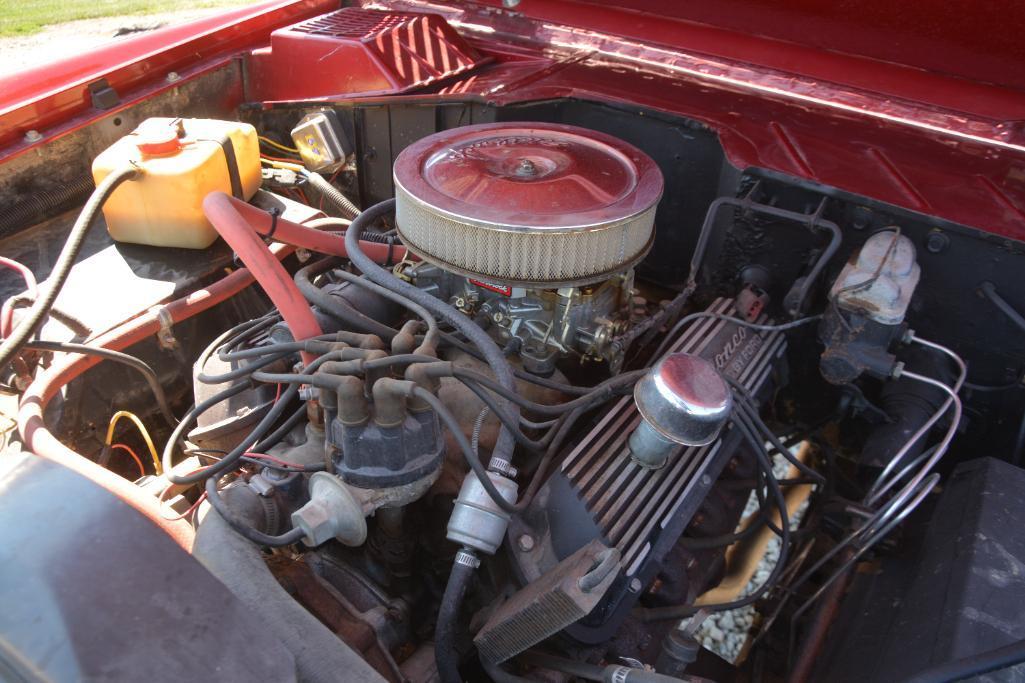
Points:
[(24, 17)]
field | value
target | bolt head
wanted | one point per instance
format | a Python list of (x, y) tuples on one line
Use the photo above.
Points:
[(861, 218), (525, 543), (33, 136), (635, 585), (937, 242), (173, 77), (509, 4)]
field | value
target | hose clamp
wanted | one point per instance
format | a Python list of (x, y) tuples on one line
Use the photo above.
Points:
[(467, 559)]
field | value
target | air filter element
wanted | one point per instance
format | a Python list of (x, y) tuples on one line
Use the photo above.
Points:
[(527, 204)]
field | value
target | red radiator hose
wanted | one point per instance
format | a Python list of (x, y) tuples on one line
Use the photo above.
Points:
[(37, 437), (267, 270), (241, 224), (226, 207)]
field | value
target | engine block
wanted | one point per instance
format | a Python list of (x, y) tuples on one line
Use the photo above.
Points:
[(599, 492)]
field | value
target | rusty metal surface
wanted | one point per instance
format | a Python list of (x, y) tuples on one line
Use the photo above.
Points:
[(332, 608)]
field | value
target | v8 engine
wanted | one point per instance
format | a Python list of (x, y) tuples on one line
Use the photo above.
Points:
[(441, 384)]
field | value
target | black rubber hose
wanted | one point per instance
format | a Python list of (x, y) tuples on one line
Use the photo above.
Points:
[(991, 293), (242, 527), (336, 306), (33, 320), (570, 389), (974, 665), (599, 393), (681, 611), (118, 357), (745, 405), (38, 206), (241, 371), (342, 224), (492, 354), (69, 321), (432, 336), (909, 405), (258, 432), (445, 654), (331, 193), (453, 426)]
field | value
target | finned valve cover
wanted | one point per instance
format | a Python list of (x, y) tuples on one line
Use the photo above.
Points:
[(527, 203)]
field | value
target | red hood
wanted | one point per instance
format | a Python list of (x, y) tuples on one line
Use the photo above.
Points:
[(978, 41)]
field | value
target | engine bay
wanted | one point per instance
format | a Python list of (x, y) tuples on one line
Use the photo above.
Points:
[(518, 390)]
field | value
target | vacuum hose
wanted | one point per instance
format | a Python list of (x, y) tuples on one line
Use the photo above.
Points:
[(36, 315)]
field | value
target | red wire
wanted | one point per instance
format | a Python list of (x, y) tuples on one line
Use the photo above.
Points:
[(7, 311), (26, 274), (191, 509), (129, 451)]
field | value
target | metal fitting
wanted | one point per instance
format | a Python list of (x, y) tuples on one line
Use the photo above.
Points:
[(477, 521), (333, 512), (468, 559), (503, 467), (683, 400)]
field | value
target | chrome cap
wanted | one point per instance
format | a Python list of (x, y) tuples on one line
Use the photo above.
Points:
[(684, 399)]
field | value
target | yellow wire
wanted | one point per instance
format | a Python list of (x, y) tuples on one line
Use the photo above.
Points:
[(282, 164), (270, 142), (142, 430)]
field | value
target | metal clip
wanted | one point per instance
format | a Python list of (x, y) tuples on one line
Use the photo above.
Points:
[(165, 337)]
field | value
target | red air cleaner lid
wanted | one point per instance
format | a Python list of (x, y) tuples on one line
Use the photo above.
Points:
[(579, 201), (539, 175)]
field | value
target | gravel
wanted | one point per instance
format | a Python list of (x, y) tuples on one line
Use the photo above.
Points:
[(75, 37), (725, 633)]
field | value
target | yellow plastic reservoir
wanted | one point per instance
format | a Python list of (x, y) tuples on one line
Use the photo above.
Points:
[(182, 161)]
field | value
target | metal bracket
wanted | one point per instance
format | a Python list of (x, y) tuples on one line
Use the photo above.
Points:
[(165, 337)]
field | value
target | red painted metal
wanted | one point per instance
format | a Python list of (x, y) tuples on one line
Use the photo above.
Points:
[(914, 153), (916, 104), (530, 175), (358, 51), (968, 39), (52, 94)]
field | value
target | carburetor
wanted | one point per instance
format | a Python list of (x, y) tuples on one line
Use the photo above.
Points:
[(540, 325), (532, 229)]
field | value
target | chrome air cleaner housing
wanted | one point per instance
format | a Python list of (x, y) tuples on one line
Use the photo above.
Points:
[(527, 204), (532, 227)]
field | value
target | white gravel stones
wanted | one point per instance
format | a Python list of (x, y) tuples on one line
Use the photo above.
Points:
[(725, 633)]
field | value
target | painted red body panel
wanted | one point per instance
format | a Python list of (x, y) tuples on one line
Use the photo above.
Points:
[(920, 106), (52, 94), (358, 51)]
